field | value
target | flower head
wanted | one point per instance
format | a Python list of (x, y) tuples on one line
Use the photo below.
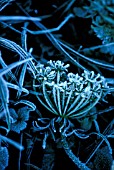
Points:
[(58, 65), (68, 94)]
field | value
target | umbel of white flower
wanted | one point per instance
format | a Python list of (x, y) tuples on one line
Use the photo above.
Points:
[(68, 95)]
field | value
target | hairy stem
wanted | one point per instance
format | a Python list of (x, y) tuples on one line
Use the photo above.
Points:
[(68, 151)]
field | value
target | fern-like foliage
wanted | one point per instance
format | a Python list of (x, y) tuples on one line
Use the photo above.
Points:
[(102, 14), (105, 31), (103, 19)]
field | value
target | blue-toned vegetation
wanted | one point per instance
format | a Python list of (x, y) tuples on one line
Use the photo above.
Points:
[(56, 84)]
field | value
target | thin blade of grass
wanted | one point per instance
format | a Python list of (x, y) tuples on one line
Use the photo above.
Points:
[(28, 103), (10, 141), (16, 87), (11, 66), (101, 64), (4, 3), (10, 74), (16, 48), (4, 96), (21, 79), (105, 139), (54, 42), (19, 18), (53, 29)]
